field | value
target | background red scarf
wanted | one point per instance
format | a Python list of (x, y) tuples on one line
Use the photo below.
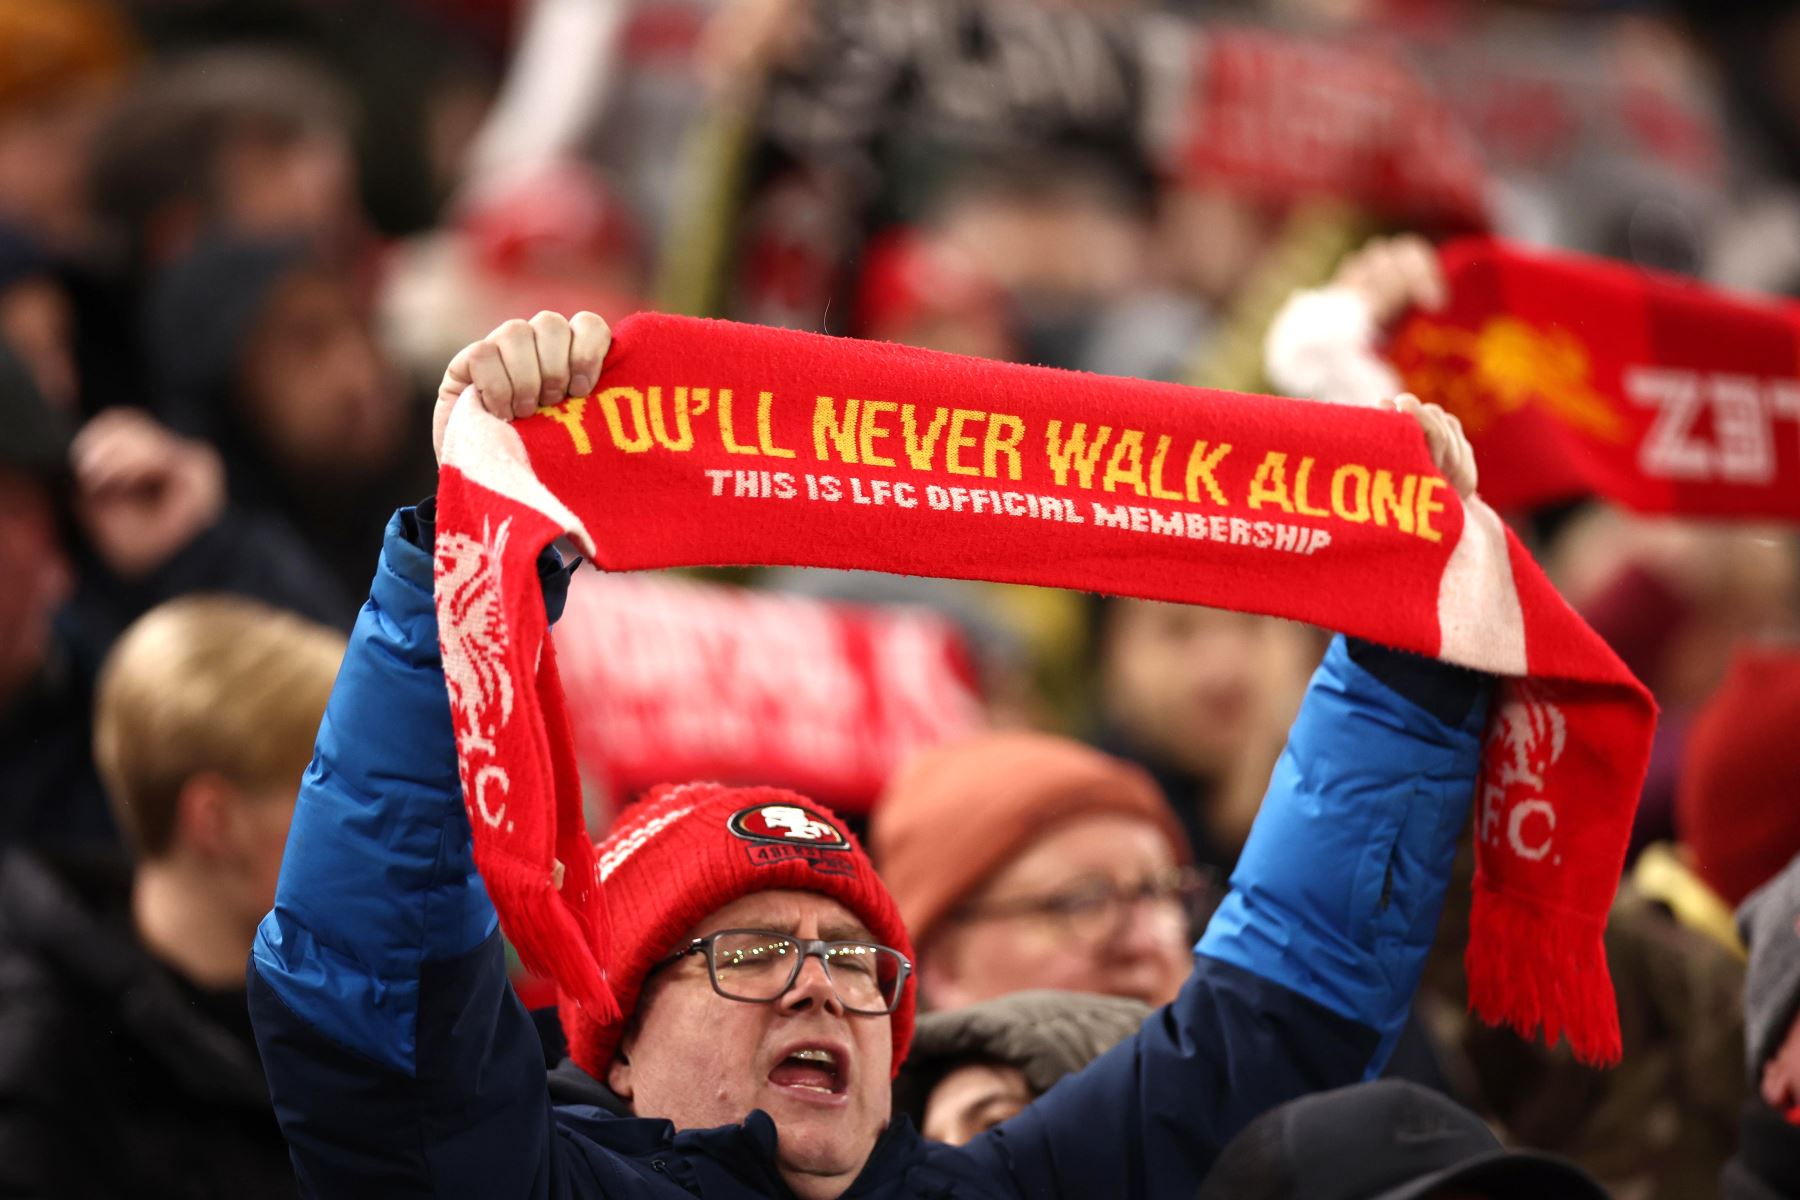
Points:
[(1577, 375)]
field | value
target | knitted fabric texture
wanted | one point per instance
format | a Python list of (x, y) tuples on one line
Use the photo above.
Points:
[(1000, 792), (1737, 808), (707, 442), (685, 852)]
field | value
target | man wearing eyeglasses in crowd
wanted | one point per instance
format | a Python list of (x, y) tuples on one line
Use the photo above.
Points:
[(1071, 871), (763, 969)]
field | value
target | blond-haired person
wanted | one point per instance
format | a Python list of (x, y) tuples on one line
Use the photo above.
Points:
[(127, 1065)]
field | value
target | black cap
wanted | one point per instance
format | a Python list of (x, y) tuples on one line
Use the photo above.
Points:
[(1387, 1140)]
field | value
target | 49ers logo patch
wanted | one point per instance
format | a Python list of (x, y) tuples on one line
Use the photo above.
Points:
[(787, 825)]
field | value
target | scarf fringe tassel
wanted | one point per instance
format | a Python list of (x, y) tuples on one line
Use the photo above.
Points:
[(550, 939), (1555, 976)]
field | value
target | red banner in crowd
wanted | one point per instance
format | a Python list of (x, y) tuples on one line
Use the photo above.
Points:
[(1288, 117), (670, 680), (1576, 375)]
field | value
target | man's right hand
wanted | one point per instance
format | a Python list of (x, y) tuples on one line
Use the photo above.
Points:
[(524, 365)]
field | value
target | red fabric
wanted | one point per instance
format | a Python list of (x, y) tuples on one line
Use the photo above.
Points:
[(1738, 807), (1576, 375), (1291, 118), (710, 442), (904, 279), (685, 852), (676, 679)]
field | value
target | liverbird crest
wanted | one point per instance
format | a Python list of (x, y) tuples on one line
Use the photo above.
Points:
[(1529, 735), (472, 629), (1526, 739)]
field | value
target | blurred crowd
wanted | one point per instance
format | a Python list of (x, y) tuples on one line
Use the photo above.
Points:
[(239, 240)]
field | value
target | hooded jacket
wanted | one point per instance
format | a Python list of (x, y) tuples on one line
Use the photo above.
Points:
[(116, 1077), (401, 1064), (1043, 1034)]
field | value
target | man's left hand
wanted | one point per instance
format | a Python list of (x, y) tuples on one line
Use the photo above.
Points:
[(1450, 448)]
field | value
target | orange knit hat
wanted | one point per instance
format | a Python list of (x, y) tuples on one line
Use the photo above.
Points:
[(956, 813), (51, 45)]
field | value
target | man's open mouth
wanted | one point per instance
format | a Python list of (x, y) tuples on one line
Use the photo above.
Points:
[(813, 1068)]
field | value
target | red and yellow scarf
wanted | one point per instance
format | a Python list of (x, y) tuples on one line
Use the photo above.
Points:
[(714, 443)]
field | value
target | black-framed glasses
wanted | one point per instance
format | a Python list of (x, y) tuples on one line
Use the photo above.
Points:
[(1094, 907), (758, 966)]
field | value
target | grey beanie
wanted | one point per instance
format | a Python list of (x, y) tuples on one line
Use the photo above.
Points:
[(1045, 1034), (1769, 921)]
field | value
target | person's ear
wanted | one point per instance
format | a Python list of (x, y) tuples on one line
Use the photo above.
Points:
[(618, 1074), (206, 811)]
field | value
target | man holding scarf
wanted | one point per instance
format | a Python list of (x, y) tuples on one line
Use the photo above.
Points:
[(762, 971)]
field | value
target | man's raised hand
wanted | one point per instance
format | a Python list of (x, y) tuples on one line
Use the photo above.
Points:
[(524, 365), (1393, 274), (1450, 449), (142, 492)]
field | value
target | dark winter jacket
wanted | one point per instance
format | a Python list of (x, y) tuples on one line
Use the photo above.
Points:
[(402, 1065), (117, 1078)]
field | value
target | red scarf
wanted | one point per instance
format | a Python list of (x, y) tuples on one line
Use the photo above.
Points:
[(1576, 375), (709, 442)]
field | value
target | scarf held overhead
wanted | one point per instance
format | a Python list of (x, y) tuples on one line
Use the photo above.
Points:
[(1575, 375), (714, 443)]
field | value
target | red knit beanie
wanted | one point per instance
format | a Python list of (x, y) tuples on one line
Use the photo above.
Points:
[(685, 852), (1738, 808)]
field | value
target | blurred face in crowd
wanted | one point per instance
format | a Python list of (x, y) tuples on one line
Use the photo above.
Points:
[(1064, 242), (698, 1059), (315, 388), (36, 321), (973, 1099), (37, 578), (1088, 907), (1209, 240), (44, 145), (276, 185), (1195, 686)]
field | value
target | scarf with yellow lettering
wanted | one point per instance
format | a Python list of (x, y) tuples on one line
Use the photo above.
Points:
[(714, 443)]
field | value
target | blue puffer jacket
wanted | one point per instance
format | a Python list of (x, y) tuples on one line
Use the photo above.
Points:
[(402, 1065)]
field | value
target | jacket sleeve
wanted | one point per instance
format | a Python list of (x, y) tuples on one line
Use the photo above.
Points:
[(399, 1061), (1303, 978)]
